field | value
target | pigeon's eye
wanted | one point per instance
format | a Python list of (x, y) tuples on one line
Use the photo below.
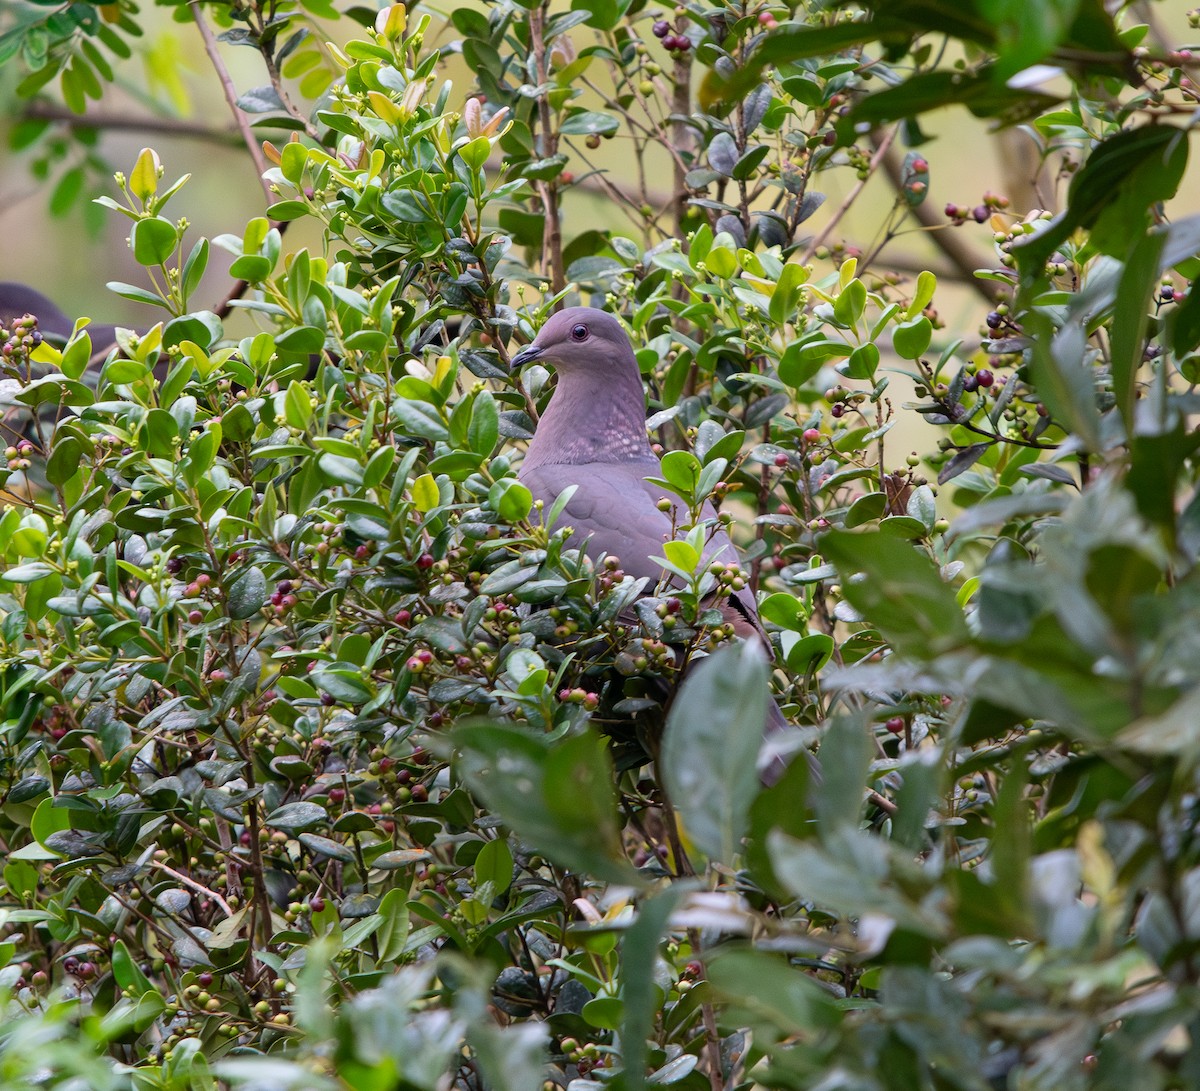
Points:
[(579, 333)]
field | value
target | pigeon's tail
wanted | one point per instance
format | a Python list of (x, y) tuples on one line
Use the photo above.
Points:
[(773, 759)]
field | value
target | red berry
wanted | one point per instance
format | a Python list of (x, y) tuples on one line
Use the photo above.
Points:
[(895, 725), (812, 435), (425, 560), (402, 617), (781, 460), (195, 617), (765, 17), (984, 377)]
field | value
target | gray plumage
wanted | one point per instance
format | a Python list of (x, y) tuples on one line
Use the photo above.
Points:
[(593, 435)]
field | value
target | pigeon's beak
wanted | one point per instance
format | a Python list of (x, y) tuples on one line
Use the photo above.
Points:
[(529, 352)]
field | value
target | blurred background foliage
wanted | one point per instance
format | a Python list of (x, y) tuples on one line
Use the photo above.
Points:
[(326, 762)]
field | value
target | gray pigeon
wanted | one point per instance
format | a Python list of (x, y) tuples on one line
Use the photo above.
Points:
[(593, 436)]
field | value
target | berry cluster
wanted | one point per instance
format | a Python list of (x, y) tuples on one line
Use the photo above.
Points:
[(980, 213), (18, 456), (16, 344), (671, 41)]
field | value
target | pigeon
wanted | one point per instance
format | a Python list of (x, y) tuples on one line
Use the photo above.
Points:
[(18, 300), (593, 436)]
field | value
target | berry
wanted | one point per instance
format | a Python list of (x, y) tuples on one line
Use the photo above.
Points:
[(812, 435), (425, 560), (984, 377), (661, 29), (781, 460), (837, 410), (895, 725)]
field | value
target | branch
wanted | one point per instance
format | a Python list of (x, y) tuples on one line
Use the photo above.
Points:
[(231, 97), (552, 233), (958, 252), (167, 126), (850, 197)]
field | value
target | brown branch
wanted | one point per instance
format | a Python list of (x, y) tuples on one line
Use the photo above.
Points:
[(166, 126), (851, 197), (552, 231), (957, 251), (231, 97)]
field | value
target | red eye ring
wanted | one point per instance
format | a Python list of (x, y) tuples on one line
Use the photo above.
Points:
[(579, 333)]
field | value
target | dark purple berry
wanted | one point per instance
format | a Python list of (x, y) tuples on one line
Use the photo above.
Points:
[(661, 29), (994, 319), (837, 410), (985, 378)]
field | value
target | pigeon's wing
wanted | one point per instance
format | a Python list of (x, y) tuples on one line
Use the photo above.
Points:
[(615, 509), (612, 509)]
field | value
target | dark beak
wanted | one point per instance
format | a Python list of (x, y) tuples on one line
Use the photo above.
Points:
[(529, 352)]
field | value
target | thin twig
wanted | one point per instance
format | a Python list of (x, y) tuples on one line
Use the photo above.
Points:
[(960, 253), (851, 197), (231, 97), (200, 888)]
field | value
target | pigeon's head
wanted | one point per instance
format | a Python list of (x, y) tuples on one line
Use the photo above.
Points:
[(580, 338)]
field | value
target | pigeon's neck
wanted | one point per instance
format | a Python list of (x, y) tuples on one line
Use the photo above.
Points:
[(592, 418)]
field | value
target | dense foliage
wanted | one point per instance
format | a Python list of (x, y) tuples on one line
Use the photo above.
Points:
[(324, 763)]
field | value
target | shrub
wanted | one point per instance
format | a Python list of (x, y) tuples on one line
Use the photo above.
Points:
[(326, 763)]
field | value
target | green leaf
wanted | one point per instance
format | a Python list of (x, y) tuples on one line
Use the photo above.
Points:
[(767, 993), (494, 865), (511, 500), (897, 587), (639, 955), (64, 460), (588, 123), (297, 405), (143, 179), (296, 816), (556, 795), (246, 594), (851, 302), (910, 339), (393, 930), (710, 747), (1111, 194), (127, 972), (326, 846), (1063, 379), (484, 430), (154, 241), (1139, 281)]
